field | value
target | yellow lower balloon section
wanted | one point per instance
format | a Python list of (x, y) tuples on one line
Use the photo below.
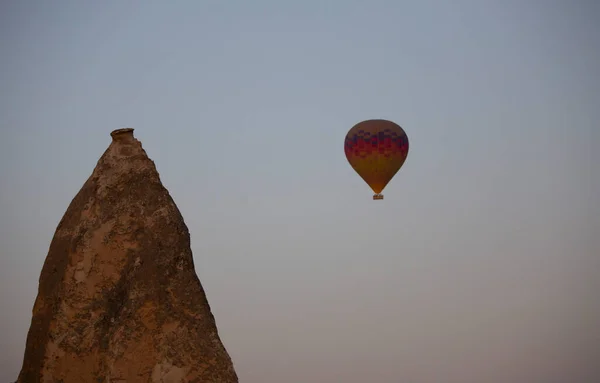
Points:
[(376, 169)]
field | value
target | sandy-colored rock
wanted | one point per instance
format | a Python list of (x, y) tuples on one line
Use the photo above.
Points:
[(119, 299)]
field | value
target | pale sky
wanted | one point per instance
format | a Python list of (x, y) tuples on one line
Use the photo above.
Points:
[(482, 263)]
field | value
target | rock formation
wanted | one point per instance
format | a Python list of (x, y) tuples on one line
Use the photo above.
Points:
[(119, 299)]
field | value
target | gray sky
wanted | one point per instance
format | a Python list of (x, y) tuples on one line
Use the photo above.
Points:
[(482, 263)]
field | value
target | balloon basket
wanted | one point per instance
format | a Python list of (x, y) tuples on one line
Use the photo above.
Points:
[(377, 197)]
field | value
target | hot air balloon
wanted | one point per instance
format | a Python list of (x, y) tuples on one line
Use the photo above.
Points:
[(376, 150)]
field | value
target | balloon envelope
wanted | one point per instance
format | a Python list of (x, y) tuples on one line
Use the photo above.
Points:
[(376, 150)]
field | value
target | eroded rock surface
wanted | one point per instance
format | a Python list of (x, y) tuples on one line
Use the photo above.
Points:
[(119, 299)]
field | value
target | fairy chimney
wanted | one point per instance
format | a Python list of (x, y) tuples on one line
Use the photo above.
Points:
[(119, 299)]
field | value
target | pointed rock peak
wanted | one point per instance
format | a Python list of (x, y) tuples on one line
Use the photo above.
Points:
[(118, 296), (123, 156)]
